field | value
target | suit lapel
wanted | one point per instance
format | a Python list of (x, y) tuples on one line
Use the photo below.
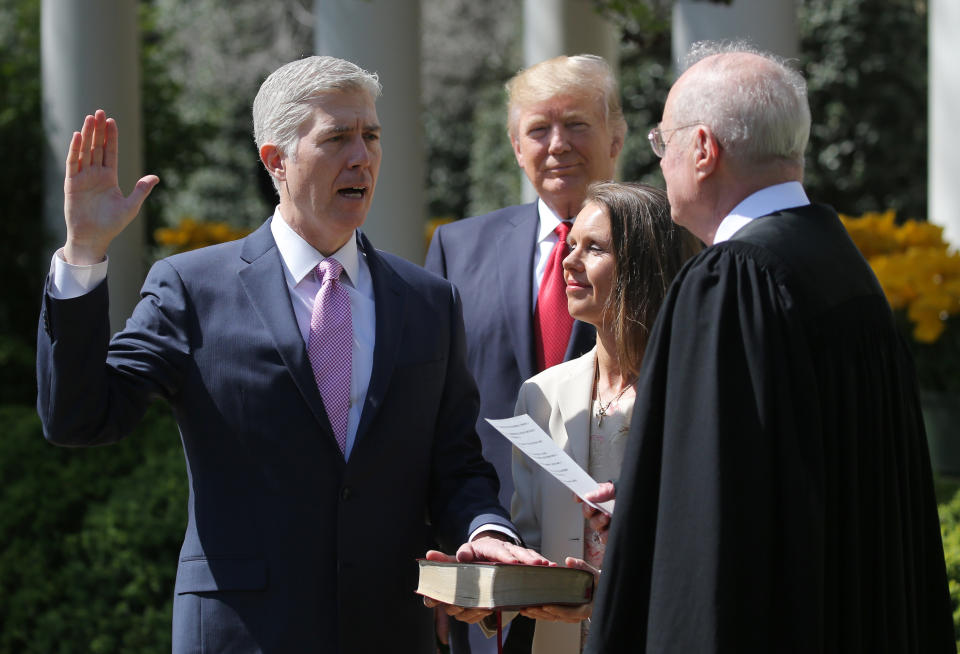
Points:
[(574, 402), (264, 283), (389, 294), (515, 247)]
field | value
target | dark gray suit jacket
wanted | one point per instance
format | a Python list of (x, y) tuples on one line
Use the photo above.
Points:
[(288, 547)]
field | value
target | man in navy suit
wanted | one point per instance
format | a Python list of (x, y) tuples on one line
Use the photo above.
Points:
[(306, 513), (567, 129)]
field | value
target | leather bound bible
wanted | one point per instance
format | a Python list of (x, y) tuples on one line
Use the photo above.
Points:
[(503, 585)]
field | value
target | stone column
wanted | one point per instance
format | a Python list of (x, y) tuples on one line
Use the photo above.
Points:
[(768, 24), (383, 36), (90, 59), (943, 158), (565, 27)]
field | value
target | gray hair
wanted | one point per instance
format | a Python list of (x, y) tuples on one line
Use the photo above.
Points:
[(285, 99), (581, 75), (757, 114)]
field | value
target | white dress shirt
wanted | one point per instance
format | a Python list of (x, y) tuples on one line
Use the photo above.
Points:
[(546, 239), (762, 203)]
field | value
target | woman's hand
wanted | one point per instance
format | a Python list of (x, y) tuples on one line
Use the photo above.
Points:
[(600, 521)]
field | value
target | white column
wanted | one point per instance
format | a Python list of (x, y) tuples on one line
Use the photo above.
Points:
[(383, 36), (769, 24), (90, 58), (943, 157), (565, 27)]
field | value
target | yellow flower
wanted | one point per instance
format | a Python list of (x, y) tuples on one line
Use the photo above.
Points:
[(191, 234), (915, 266)]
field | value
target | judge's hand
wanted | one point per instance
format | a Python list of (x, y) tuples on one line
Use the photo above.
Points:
[(487, 546), (94, 208), (558, 613), (599, 521)]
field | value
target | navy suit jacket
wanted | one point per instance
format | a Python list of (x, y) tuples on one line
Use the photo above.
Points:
[(288, 548), (489, 259)]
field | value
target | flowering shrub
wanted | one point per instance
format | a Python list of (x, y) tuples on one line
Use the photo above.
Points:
[(191, 234), (915, 266), (920, 275), (950, 533)]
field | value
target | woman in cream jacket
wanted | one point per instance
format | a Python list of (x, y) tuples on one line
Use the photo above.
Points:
[(625, 251)]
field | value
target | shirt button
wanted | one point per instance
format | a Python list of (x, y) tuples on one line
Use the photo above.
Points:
[(345, 493)]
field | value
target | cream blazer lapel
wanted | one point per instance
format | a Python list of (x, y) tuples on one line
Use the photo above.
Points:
[(572, 398), (560, 401)]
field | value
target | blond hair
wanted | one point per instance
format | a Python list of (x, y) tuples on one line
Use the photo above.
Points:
[(582, 76)]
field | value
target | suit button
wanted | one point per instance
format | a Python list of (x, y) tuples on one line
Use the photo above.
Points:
[(345, 493)]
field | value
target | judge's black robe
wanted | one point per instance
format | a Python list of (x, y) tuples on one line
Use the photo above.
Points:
[(776, 493)]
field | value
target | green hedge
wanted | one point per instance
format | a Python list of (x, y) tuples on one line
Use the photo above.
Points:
[(91, 538), (950, 532)]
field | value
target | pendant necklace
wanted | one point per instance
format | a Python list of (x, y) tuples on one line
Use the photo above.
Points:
[(602, 410)]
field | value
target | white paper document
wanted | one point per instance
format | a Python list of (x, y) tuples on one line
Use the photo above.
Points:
[(523, 432)]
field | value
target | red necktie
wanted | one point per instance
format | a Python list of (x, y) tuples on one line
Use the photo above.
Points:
[(551, 320)]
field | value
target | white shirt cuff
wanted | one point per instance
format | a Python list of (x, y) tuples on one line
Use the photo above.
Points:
[(494, 527), (68, 281)]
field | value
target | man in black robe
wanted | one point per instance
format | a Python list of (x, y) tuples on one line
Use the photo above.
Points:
[(776, 493)]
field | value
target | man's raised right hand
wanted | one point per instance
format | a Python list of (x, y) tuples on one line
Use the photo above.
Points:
[(94, 207)]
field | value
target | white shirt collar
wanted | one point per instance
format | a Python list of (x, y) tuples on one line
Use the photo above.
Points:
[(548, 220), (300, 257), (762, 203)]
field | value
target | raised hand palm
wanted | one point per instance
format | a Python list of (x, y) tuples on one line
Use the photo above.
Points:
[(94, 206)]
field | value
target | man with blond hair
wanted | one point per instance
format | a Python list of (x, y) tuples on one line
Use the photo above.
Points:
[(567, 129), (776, 492)]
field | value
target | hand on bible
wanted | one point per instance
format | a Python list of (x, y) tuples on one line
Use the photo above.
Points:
[(488, 546), (94, 207), (559, 613), (599, 521)]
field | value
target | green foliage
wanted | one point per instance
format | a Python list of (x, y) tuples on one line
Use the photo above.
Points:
[(644, 82), (469, 50), (21, 180), (950, 533), (90, 537), (198, 87), (866, 67), (494, 177), (637, 18), (17, 361)]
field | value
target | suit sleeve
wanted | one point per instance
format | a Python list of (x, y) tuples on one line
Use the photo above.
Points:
[(92, 391), (464, 486), (436, 261)]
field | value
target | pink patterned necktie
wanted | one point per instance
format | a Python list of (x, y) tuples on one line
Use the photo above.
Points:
[(552, 322), (330, 346)]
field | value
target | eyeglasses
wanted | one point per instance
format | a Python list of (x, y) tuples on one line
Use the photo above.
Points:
[(655, 136)]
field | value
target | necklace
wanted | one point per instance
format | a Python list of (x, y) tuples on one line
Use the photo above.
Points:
[(602, 411)]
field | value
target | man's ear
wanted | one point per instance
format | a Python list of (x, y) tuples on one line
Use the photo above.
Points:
[(706, 151), (616, 145), (273, 160), (515, 142)]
